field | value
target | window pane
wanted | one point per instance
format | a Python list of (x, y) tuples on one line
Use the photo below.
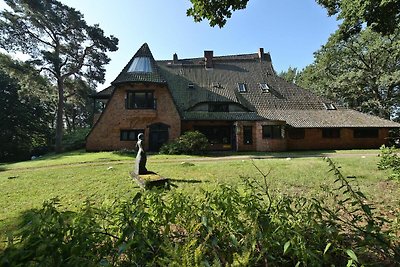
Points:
[(140, 64), (366, 133), (331, 133), (272, 132), (247, 135)]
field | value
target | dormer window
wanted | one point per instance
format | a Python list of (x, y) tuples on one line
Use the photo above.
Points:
[(242, 88), (191, 86), (329, 106), (216, 85), (218, 107), (264, 87), (141, 64)]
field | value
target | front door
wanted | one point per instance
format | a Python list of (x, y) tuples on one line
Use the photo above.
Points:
[(158, 136)]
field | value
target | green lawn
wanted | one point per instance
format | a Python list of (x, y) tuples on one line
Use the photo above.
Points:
[(77, 176)]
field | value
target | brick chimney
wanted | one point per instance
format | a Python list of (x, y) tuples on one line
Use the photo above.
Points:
[(175, 58), (261, 54), (208, 58)]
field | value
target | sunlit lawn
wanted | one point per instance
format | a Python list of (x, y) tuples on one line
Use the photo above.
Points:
[(78, 176)]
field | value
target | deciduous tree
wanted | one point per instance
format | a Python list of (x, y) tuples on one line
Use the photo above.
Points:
[(382, 16), (59, 42), (23, 119), (362, 72)]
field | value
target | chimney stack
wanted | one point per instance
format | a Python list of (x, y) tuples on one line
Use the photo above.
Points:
[(175, 58), (208, 58), (261, 55)]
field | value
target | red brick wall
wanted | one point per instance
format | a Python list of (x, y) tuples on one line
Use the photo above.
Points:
[(270, 144), (105, 134), (313, 140)]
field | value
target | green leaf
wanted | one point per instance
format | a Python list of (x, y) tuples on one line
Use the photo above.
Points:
[(352, 255), (286, 247), (327, 247)]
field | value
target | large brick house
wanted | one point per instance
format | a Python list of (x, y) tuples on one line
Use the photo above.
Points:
[(237, 101)]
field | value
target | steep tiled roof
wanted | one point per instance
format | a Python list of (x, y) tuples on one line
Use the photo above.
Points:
[(153, 76), (284, 101), (105, 93)]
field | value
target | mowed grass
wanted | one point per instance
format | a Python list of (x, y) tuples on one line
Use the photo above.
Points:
[(79, 176)]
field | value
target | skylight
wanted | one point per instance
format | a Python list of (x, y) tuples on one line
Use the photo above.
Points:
[(329, 106), (140, 64), (242, 87), (264, 87)]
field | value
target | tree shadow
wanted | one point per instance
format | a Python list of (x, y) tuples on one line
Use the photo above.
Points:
[(188, 181), (3, 168)]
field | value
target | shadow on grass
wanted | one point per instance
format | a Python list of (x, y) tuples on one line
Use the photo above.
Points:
[(2, 168), (284, 154), (188, 181), (125, 152)]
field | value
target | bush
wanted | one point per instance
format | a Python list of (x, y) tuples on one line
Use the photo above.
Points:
[(389, 160), (228, 226), (75, 140), (192, 142)]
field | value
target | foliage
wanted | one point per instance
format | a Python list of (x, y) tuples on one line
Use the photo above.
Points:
[(59, 42), (383, 16), (361, 72), (390, 160), (235, 226), (24, 121), (215, 11), (290, 75), (79, 104), (191, 142), (76, 139)]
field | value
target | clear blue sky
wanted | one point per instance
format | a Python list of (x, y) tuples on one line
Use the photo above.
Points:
[(291, 30)]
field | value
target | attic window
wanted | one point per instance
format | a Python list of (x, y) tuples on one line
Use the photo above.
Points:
[(191, 86), (329, 106), (242, 87), (216, 85), (264, 87), (140, 64)]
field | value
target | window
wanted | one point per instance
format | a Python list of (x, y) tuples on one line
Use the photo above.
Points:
[(140, 100), (331, 133), (216, 134), (272, 132), (218, 107), (242, 87), (247, 135), (329, 106), (191, 86), (296, 133), (264, 87), (130, 135), (140, 64), (216, 85), (366, 133)]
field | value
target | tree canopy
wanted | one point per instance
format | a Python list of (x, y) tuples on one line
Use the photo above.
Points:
[(60, 43), (24, 120), (215, 11), (382, 16), (361, 72)]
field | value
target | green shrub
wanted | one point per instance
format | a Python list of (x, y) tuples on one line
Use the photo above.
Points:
[(192, 142), (389, 160), (75, 140), (227, 226)]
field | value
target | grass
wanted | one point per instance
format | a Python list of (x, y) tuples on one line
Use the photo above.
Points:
[(77, 176)]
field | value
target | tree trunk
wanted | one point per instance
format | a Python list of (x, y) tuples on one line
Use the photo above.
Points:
[(60, 113)]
